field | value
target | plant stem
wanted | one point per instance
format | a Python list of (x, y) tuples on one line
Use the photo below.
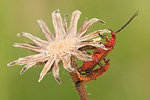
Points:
[(81, 89)]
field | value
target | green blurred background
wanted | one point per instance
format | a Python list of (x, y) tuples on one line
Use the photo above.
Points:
[(128, 77)]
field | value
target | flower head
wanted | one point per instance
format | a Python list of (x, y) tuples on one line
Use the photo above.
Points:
[(61, 46)]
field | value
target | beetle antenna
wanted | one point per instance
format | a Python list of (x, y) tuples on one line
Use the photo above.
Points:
[(128, 22)]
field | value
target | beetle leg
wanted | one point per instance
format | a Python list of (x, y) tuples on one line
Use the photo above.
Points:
[(88, 53), (107, 39), (102, 36)]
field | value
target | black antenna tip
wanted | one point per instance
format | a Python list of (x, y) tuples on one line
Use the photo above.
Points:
[(135, 14)]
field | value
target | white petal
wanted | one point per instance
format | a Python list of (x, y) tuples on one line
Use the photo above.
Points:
[(94, 34), (26, 60), (26, 67), (45, 30), (30, 47), (55, 71), (57, 22), (81, 56), (84, 29), (88, 43), (73, 23), (37, 40), (67, 63), (65, 23), (46, 68), (82, 26)]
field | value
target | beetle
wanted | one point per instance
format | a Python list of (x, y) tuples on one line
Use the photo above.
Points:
[(98, 55), (92, 75)]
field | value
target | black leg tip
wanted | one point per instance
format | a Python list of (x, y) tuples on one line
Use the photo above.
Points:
[(78, 83)]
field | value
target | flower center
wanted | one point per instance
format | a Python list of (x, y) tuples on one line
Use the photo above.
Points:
[(61, 48)]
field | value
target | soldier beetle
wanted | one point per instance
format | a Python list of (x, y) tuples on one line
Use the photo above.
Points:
[(93, 74), (98, 55)]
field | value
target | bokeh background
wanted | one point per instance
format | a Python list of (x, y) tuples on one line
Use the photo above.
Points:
[(128, 77)]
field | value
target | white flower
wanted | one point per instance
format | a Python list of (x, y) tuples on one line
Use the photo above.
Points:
[(61, 46)]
